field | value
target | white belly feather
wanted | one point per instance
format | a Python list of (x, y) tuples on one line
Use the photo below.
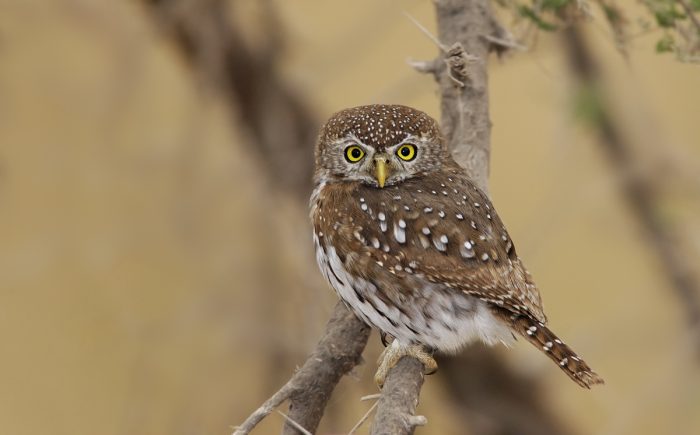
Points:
[(443, 330)]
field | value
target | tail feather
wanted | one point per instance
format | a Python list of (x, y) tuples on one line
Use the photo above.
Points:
[(544, 339)]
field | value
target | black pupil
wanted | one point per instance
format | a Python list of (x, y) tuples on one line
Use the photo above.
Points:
[(355, 153), (405, 151)]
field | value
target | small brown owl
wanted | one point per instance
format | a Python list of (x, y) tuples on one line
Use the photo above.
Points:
[(414, 248)]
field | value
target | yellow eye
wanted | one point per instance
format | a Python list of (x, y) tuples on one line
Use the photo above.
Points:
[(406, 152), (354, 154)]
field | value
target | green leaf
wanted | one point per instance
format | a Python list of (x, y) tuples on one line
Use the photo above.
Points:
[(528, 12), (665, 44), (695, 5), (554, 5), (667, 17)]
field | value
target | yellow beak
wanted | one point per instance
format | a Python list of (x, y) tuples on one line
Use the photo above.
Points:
[(381, 171)]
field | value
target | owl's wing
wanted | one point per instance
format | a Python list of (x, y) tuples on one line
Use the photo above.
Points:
[(447, 232)]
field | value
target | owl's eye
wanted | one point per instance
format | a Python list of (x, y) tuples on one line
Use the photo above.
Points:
[(354, 154), (406, 152)]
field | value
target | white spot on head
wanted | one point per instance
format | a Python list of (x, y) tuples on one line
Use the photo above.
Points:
[(381, 216), (425, 230), (363, 207), (460, 216), (428, 209), (441, 214), (443, 239)]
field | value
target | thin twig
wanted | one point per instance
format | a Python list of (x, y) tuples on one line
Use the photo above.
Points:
[(427, 33), (691, 14), (508, 43), (296, 425), (363, 419), (266, 408)]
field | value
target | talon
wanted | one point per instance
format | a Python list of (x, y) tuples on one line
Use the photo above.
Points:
[(385, 338), (392, 354)]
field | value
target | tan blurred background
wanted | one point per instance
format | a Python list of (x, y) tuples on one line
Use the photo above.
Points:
[(154, 281)]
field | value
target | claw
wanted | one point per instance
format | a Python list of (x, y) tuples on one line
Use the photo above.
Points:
[(385, 338), (392, 354)]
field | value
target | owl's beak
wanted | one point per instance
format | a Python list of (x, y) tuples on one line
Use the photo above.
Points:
[(380, 170)]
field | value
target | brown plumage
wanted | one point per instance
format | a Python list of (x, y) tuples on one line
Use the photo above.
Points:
[(425, 258)]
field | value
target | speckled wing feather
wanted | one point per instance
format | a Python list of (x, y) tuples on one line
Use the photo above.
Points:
[(439, 228)]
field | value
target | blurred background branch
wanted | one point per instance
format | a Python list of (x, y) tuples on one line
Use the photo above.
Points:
[(282, 126), (638, 186)]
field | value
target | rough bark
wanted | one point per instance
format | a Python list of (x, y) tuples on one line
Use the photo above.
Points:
[(338, 352), (465, 120), (399, 399)]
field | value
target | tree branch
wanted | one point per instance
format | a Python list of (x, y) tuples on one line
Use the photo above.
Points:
[(462, 78), (465, 118), (397, 404), (309, 390)]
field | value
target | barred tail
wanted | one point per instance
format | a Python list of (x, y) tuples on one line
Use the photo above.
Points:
[(545, 340)]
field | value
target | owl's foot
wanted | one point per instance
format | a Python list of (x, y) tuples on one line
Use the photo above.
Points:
[(393, 353)]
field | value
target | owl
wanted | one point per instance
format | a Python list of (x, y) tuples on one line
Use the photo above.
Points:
[(415, 249)]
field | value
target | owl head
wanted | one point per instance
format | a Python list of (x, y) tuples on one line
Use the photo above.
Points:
[(379, 145)]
